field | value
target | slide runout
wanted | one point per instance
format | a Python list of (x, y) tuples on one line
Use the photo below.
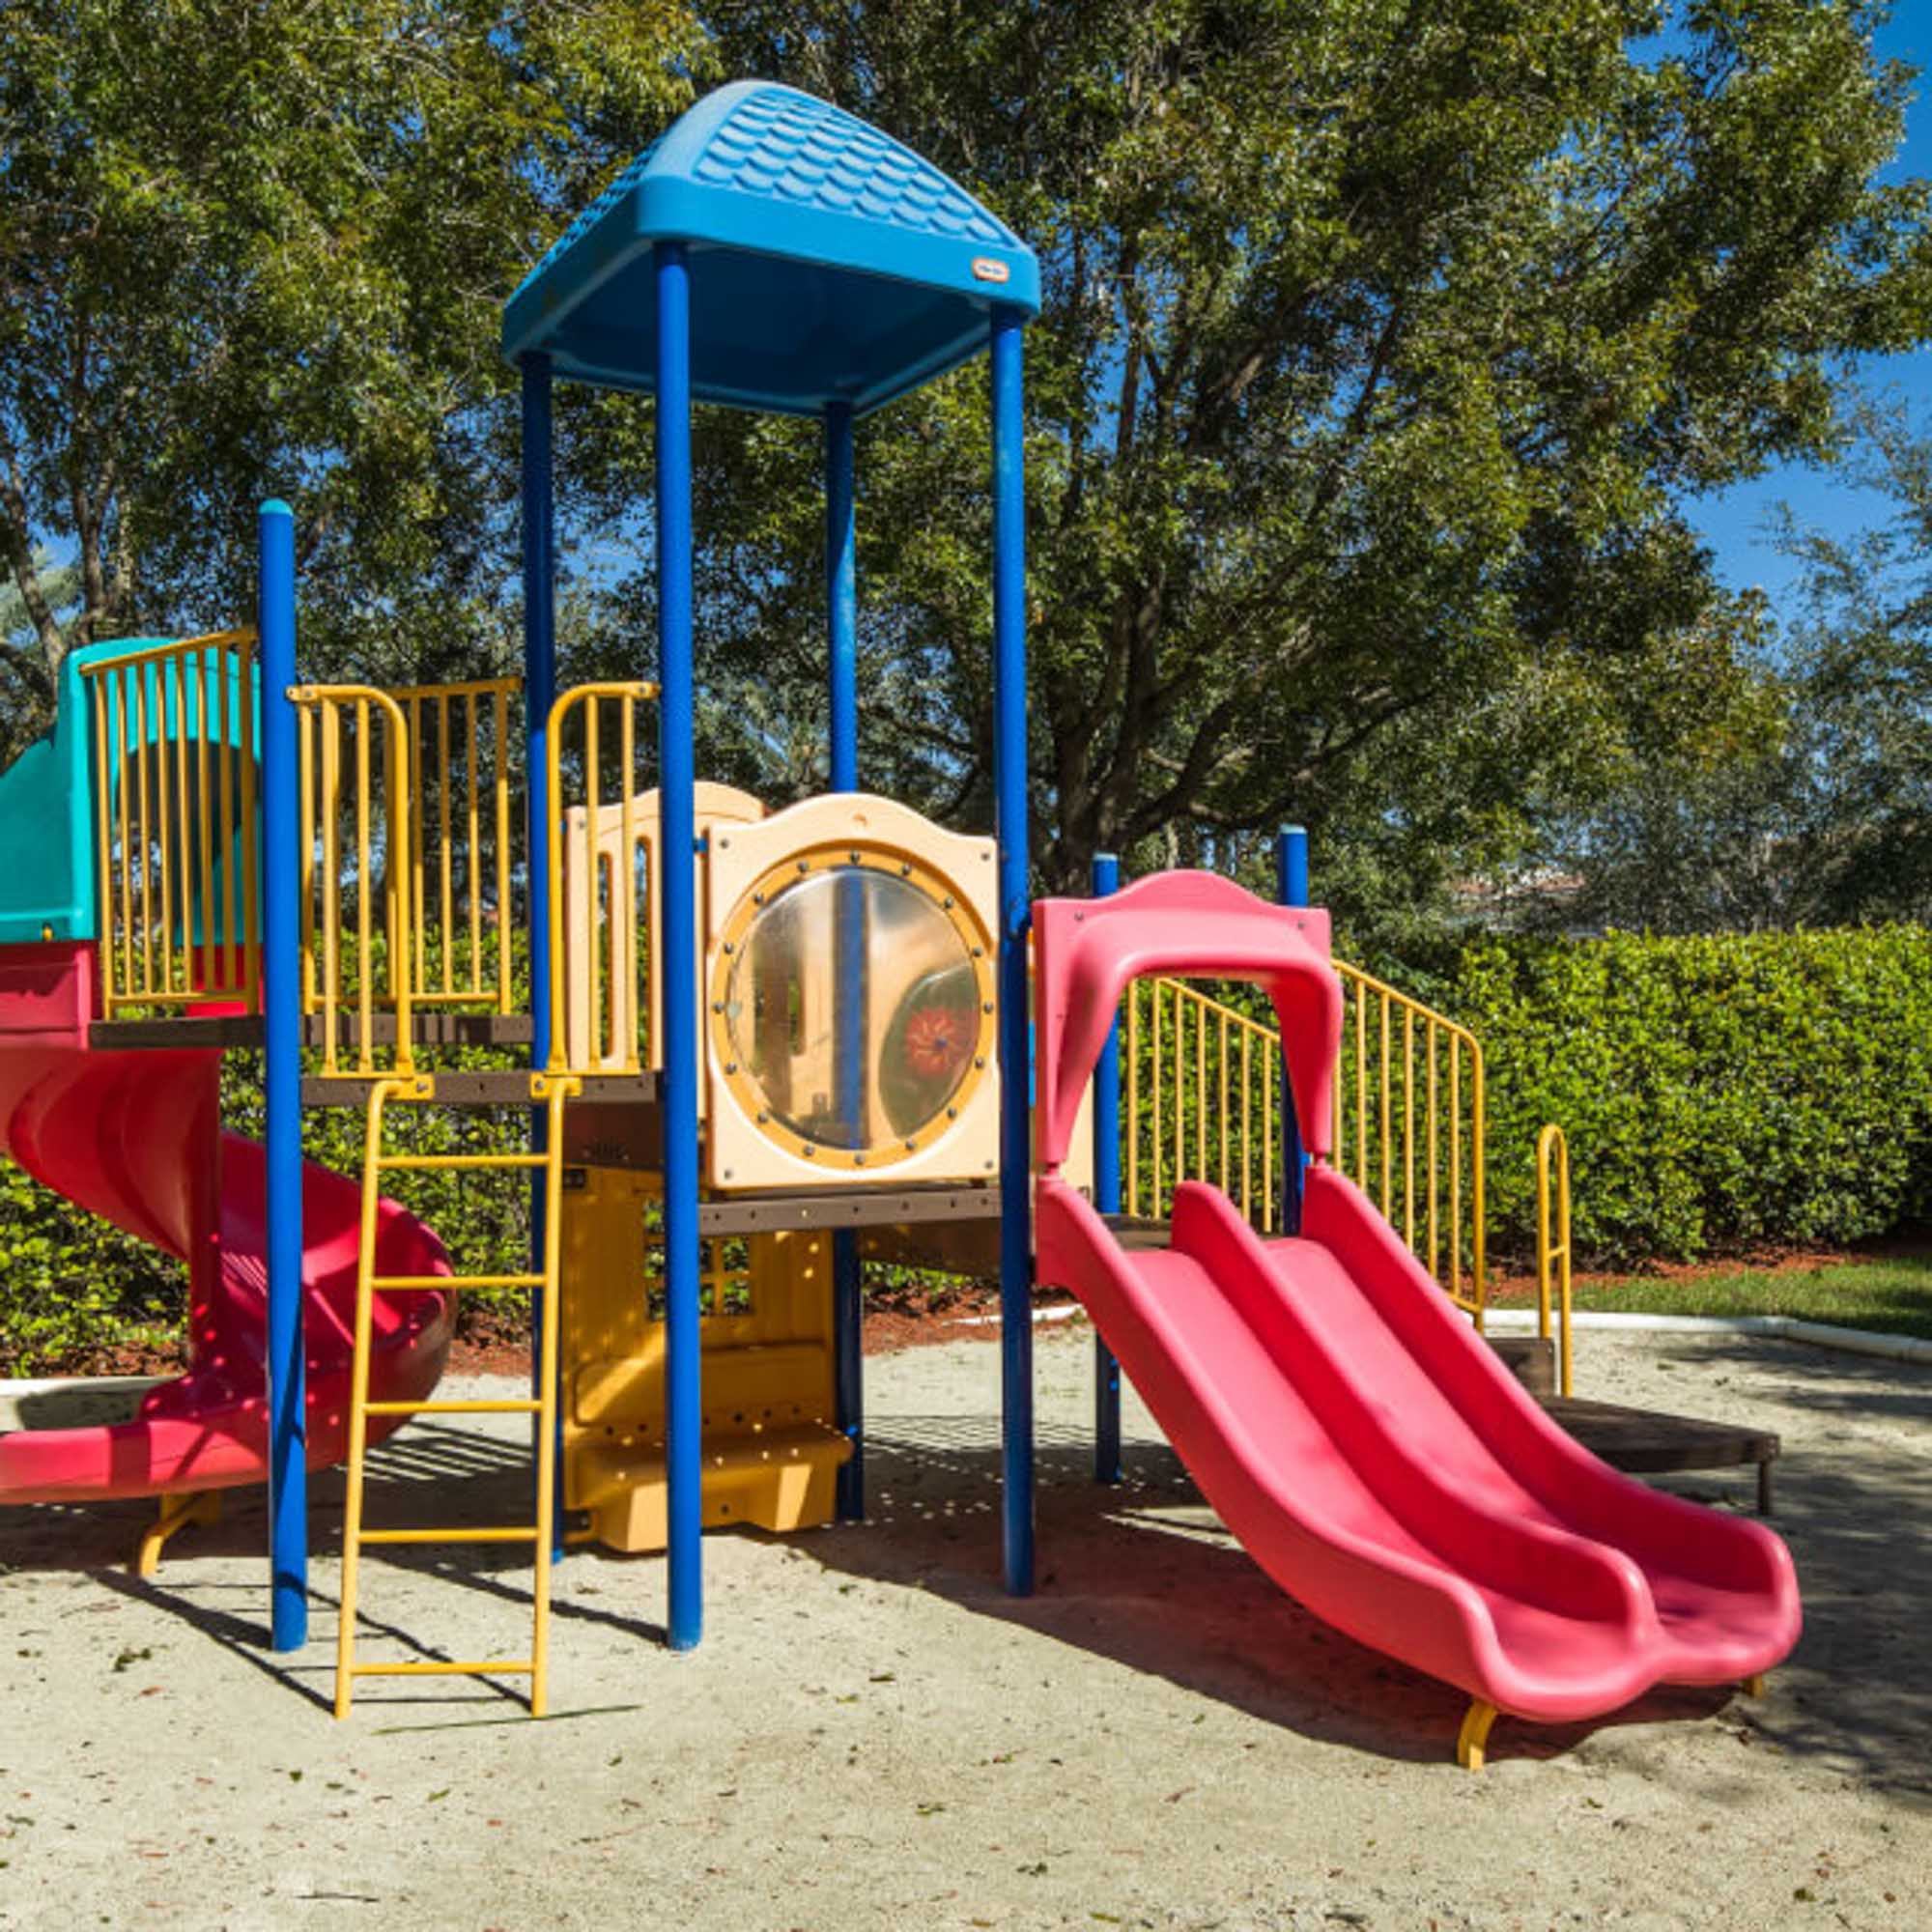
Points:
[(1729, 1578), (135, 1138), (1523, 1561), (1285, 1487)]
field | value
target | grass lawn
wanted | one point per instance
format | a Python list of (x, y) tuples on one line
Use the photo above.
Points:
[(1888, 1293)]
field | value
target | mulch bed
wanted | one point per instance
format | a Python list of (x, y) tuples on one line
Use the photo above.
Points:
[(495, 1339)]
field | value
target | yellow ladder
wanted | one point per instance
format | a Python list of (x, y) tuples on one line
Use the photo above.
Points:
[(552, 1091)]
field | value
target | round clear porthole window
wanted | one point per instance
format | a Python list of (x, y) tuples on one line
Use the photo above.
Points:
[(851, 1006)]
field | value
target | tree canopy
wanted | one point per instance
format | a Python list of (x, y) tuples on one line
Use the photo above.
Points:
[(1822, 814), (250, 250), (1387, 346), (1383, 347)]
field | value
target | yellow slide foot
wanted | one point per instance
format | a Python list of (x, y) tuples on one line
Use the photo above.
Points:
[(1753, 1687), (1474, 1735), (177, 1513)]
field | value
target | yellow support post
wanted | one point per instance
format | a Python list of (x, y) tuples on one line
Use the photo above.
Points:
[(1270, 1192), (505, 989), (1409, 1128), (1455, 1168), (1473, 1739), (1552, 1257), (1387, 1098)]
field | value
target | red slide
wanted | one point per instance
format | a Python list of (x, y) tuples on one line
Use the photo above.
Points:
[(136, 1138), (1347, 1424)]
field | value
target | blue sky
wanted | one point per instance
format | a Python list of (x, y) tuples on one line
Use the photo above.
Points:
[(1733, 522)]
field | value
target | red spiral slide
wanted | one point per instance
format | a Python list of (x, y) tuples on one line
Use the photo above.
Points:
[(136, 1138), (1347, 1423)]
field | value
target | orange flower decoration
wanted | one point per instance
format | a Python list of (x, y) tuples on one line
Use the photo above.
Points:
[(937, 1039)]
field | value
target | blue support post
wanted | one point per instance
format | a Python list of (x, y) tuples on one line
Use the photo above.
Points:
[(281, 1005), (1107, 1199), (539, 690), (1010, 782), (539, 683), (1290, 885), (678, 939), (841, 598)]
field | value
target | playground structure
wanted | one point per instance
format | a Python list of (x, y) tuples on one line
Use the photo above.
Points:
[(748, 1066)]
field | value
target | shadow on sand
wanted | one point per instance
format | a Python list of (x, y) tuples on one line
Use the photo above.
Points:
[(431, 1472), (1141, 1572)]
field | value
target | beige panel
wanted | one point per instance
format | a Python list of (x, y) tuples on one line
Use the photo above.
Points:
[(844, 834), (585, 920), (1077, 1169)]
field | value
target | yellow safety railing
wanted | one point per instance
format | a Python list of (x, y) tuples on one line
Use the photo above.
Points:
[(1203, 1102), (460, 841), (1552, 1255), (174, 813), (1410, 1127), (358, 938), (593, 944)]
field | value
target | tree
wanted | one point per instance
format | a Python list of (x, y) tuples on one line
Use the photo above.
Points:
[(1863, 711), (26, 687), (1382, 342), (1819, 811), (250, 250)]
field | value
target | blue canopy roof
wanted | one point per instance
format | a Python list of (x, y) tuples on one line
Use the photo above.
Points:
[(829, 263)]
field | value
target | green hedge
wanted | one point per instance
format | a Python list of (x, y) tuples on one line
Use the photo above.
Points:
[(1718, 1094), (77, 1294), (73, 1292)]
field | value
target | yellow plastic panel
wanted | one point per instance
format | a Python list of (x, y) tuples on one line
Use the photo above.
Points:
[(771, 1447), (906, 909)]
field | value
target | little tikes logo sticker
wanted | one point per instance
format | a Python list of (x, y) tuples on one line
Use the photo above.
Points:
[(987, 269)]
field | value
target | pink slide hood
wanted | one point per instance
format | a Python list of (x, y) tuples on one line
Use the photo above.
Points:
[(1349, 1424)]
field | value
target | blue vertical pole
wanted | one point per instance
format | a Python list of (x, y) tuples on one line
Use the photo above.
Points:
[(841, 598), (539, 684), (1107, 1199), (1290, 886), (841, 595), (539, 690), (678, 914), (1009, 785), (281, 1007)]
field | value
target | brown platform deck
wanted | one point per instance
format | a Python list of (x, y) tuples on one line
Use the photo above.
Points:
[(431, 1027), (507, 1087), (1637, 1440), (1642, 1443), (884, 1212)]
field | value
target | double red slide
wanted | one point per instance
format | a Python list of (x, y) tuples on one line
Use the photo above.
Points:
[(136, 1137), (1345, 1421)]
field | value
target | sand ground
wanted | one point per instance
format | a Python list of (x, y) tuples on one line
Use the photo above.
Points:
[(873, 1735)]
